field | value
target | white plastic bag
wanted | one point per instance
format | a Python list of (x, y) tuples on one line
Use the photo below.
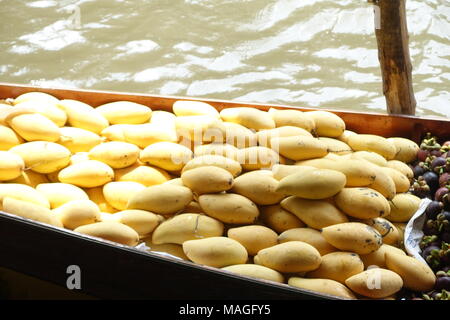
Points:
[(414, 233)]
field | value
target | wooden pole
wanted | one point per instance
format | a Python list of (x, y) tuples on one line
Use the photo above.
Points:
[(393, 53)]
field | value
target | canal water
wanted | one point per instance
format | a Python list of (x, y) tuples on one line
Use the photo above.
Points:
[(315, 53)]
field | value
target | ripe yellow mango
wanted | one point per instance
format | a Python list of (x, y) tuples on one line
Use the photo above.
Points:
[(255, 271), (118, 193), (264, 136), (78, 140), (308, 235), (327, 124), (34, 96), (22, 192), (315, 184), (292, 256), (416, 275), (111, 231), (96, 195), (47, 108), (187, 226), (378, 257), (345, 135), (61, 193), (166, 155), (401, 167), (372, 157), (281, 171), (403, 207), (294, 118), (229, 208), (35, 127), (146, 175), (338, 266), (354, 237), (30, 210), (87, 174), (30, 178), (383, 182), (362, 203), (325, 286), (299, 147), (199, 129), (253, 238), (161, 199), (43, 157), (224, 150), (116, 154), (406, 150), (143, 222), (248, 117), (76, 213), (216, 252), (8, 138), (259, 187), (82, 115), (125, 112), (336, 146), (388, 231), (278, 219), (358, 173), (401, 182), (230, 165), (240, 136), (256, 158), (316, 214), (116, 132), (194, 108), (375, 283), (11, 165), (373, 143), (143, 135), (208, 179)]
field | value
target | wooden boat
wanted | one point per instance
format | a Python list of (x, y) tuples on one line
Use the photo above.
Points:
[(114, 271)]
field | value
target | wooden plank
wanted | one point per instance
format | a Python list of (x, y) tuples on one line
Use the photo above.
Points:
[(382, 124), (393, 54)]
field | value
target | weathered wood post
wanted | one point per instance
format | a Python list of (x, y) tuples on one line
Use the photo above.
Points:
[(393, 53)]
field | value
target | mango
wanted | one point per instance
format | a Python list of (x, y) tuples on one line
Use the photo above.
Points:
[(30, 210), (354, 237), (125, 112), (308, 235), (362, 203), (316, 214), (111, 231), (187, 226), (278, 219), (216, 252), (161, 199), (229, 208), (253, 238), (292, 256), (316, 184)]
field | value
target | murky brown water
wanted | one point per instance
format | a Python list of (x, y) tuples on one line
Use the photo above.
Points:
[(318, 53)]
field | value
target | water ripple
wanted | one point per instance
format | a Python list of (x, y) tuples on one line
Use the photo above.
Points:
[(318, 53)]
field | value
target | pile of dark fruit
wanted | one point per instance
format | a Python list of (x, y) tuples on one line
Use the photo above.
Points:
[(432, 180)]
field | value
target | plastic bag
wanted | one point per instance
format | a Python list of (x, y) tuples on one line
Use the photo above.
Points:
[(414, 233)]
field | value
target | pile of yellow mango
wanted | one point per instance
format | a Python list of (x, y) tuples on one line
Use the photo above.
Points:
[(281, 195)]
